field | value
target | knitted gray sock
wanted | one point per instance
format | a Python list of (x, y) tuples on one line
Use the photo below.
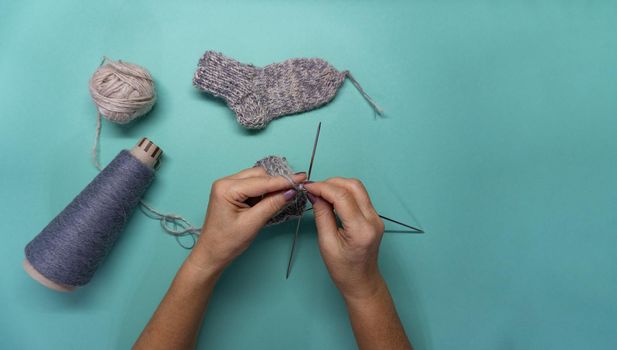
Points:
[(278, 166), (259, 95)]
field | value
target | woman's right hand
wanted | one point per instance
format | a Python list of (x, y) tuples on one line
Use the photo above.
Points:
[(350, 252)]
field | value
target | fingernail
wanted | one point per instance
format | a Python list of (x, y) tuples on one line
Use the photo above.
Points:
[(290, 194), (311, 197), (300, 173)]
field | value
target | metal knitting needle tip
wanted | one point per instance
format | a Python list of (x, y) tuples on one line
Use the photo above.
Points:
[(293, 248), (313, 154), (293, 244), (417, 230)]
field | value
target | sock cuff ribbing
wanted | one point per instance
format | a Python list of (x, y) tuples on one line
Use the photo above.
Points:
[(224, 77)]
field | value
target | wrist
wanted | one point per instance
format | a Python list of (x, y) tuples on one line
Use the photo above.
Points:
[(192, 278), (365, 290), (203, 265), (205, 257)]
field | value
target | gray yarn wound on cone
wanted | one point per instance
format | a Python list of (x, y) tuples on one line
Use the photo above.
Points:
[(278, 166), (72, 246), (259, 95)]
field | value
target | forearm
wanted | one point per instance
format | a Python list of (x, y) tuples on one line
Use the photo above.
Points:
[(375, 322), (176, 322)]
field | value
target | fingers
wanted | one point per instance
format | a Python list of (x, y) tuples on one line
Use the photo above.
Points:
[(256, 186), (356, 187), (250, 172), (270, 205), (341, 198), (325, 220)]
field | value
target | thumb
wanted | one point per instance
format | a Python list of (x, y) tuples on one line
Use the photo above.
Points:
[(271, 204), (324, 217)]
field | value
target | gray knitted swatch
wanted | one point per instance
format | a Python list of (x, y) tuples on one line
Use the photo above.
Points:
[(278, 166), (259, 95)]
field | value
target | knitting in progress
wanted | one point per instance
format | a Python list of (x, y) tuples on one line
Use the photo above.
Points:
[(258, 95), (178, 226), (278, 166)]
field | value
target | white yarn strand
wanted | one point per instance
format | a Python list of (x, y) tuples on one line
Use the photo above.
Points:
[(95, 146)]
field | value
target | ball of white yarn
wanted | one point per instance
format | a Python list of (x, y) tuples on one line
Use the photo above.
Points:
[(122, 91)]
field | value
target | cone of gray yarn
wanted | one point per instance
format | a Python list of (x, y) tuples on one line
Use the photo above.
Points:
[(72, 246), (278, 166), (259, 95)]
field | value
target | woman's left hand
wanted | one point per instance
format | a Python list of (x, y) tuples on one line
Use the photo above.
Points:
[(231, 222)]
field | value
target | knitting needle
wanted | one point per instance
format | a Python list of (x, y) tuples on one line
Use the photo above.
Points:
[(293, 247), (415, 230), (313, 154), (308, 177)]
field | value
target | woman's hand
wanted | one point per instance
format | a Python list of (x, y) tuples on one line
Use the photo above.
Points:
[(232, 222), (350, 252), (239, 206)]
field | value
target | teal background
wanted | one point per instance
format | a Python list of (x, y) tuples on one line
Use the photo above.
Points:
[(499, 141)]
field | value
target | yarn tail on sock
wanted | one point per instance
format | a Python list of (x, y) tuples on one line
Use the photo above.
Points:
[(366, 96)]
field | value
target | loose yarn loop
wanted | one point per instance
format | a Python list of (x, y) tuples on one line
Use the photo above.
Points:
[(121, 91), (173, 224)]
